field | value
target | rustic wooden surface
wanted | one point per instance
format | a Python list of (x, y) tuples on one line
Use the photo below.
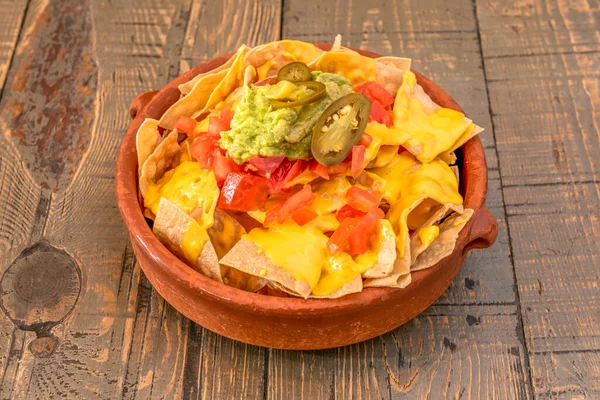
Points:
[(79, 320)]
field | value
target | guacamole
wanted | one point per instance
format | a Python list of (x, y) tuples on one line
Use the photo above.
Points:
[(259, 130)]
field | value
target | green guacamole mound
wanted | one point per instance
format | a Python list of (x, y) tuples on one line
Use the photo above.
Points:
[(258, 130)]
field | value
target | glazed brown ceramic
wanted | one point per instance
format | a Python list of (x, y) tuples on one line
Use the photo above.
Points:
[(292, 323)]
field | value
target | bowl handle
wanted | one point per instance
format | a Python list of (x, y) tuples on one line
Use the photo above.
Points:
[(483, 231), (140, 102)]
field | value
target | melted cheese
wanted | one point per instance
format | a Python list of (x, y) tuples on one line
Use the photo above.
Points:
[(387, 136), (431, 131), (329, 195), (356, 68), (408, 181), (264, 69), (301, 251), (189, 187), (202, 126), (428, 234), (194, 239)]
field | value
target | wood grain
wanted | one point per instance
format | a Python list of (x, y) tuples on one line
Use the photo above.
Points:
[(217, 28), (443, 43), (543, 82), (536, 61), (12, 13)]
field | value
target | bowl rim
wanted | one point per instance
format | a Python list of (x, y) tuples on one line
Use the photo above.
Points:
[(473, 180)]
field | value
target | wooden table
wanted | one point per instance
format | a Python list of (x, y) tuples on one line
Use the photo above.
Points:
[(80, 320)]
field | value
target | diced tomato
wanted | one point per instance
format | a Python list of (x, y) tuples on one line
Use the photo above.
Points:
[(286, 171), (304, 215), (380, 114), (266, 165), (358, 160), (203, 149), (185, 124), (365, 140), (360, 238), (221, 123), (225, 115), (347, 211), (375, 91), (318, 169), (339, 240), (243, 192), (289, 206), (340, 168), (361, 199), (222, 166)]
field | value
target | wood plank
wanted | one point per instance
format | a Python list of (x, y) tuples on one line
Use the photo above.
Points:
[(18, 193), (221, 27), (95, 78), (543, 82), (443, 43), (217, 367), (12, 13)]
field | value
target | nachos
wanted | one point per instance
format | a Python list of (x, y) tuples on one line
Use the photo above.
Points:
[(294, 171)]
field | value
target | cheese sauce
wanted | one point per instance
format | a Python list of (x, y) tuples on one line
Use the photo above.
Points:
[(431, 131)]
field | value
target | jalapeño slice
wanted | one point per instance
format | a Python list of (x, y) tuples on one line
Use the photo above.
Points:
[(294, 72), (318, 91), (339, 128)]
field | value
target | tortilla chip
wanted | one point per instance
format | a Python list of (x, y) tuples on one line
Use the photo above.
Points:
[(384, 156), (400, 63), (269, 58), (402, 263), (225, 232), (250, 75), (389, 72), (433, 130), (387, 253), (337, 43), (232, 80), (195, 100), (438, 214), (170, 225), (456, 171), (241, 280), (187, 87), (165, 157), (443, 246), (247, 257), (372, 181), (146, 140), (400, 276), (353, 286), (448, 157)]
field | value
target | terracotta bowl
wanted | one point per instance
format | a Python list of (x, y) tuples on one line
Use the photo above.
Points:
[(293, 323)]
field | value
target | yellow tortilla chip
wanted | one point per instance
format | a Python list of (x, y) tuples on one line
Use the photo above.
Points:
[(433, 130), (444, 244), (232, 80), (187, 87), (353, 286), (165, 156), (249, 258), (195, 100), (225, 232), (269, 58), (184, 236), (426, 232), (146, 140)]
